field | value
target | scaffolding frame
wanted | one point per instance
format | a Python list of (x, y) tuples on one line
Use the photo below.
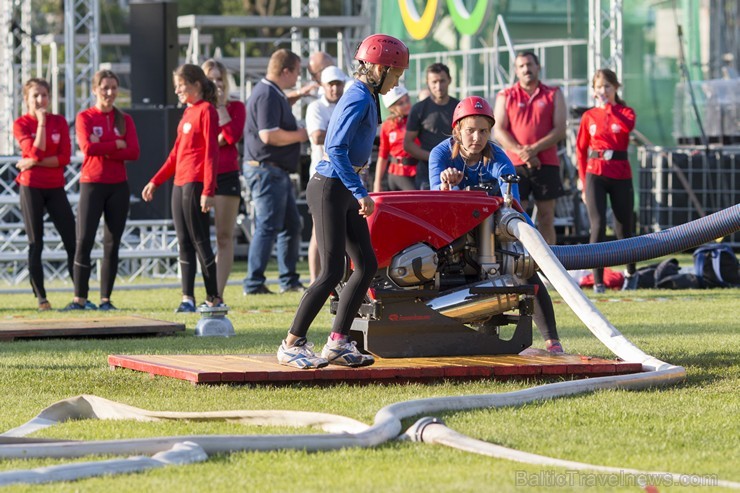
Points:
[(605, 48), (81, 53), (15, 63)]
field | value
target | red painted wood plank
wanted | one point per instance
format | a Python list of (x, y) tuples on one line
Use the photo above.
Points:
[(456, 371), (561, 369), (163, 370), (264, 368), (381, 373)]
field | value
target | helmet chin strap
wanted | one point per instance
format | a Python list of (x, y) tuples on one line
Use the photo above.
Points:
[(376, 90), (465, 152)]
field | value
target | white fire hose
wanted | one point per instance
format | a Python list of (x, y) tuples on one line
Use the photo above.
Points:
[(345, 432)]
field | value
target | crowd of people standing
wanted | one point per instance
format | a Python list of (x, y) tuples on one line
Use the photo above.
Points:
[(438, 142)]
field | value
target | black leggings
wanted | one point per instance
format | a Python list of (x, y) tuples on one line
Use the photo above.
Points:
[(544, 313), (193, 237), (339, 229), (33, 202), (110, 200), (622, 198)]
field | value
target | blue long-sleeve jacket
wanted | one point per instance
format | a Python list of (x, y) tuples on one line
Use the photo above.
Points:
[(440, 158), (349, 138)]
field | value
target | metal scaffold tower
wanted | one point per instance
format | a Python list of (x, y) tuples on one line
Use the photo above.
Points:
[(605, 48), (15, 64), (300, 45), (81, 53)]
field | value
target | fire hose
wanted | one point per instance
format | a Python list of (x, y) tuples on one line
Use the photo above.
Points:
[(387, 422)]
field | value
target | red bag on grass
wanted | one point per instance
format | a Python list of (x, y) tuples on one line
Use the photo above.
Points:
[(612, 279)]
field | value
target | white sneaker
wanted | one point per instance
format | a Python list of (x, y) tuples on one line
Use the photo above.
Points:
[(300, 355), (345, 353)]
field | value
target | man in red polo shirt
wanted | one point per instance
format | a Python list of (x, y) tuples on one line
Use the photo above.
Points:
[(530, 121)]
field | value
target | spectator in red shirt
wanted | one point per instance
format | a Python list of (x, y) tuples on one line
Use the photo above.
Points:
[(530, 121), (402, 169), (45, 151), (603, 166), (107, 137), (193, 162), (231, 117)]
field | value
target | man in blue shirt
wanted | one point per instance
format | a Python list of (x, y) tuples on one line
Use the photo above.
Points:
[(272, 144)]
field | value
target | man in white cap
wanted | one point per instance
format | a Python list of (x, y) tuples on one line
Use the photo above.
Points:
[(317, 121)]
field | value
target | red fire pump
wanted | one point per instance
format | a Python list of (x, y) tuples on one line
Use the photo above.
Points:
[(450, 281)]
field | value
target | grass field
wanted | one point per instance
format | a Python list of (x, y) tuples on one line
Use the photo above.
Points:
[(690, 428)]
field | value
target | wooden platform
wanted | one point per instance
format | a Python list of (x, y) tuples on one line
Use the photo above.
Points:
[(263, 368), (85, 327)]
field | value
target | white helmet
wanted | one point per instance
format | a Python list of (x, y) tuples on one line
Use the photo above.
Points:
[(394, 95)]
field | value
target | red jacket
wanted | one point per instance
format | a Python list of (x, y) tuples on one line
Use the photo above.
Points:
[(391, 145), (104, 162), (604, 129), (228, 155), (57, 144), (194, 157)]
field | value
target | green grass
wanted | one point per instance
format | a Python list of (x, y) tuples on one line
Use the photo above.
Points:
[(689, 428)]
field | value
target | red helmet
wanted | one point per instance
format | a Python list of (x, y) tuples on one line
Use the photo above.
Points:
[(383, 50), (472, 106)]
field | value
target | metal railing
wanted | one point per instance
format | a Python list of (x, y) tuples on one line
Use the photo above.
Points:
[(148, 247)]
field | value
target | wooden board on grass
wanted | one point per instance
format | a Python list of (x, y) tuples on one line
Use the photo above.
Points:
[(264, 368), (86, 326)]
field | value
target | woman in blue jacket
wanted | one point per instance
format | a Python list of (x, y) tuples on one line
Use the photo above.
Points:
[(469, 158), (339, 204)]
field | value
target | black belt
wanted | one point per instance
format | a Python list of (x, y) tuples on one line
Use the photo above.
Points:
[(405, 161), (608, 155)]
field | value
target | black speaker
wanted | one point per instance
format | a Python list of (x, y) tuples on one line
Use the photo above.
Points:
[(157, 131), (154, 53)]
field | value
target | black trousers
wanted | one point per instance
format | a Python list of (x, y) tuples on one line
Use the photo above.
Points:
[(111, 201), (33, 203), (339, 229), (544, 313), (193, 238), (621, 195)]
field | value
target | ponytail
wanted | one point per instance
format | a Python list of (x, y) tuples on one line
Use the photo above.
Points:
[(119, 121), (210, 91)]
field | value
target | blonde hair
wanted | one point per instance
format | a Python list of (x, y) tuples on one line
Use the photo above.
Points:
[(486, 153), (210, 64)]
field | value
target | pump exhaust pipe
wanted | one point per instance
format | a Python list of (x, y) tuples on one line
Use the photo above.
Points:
[(478, 302)]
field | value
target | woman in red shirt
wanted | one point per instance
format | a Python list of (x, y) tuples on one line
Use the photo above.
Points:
[(231, 117), (193, 162), (107, 137), (45, 150), (402, 169), (603, 165)]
